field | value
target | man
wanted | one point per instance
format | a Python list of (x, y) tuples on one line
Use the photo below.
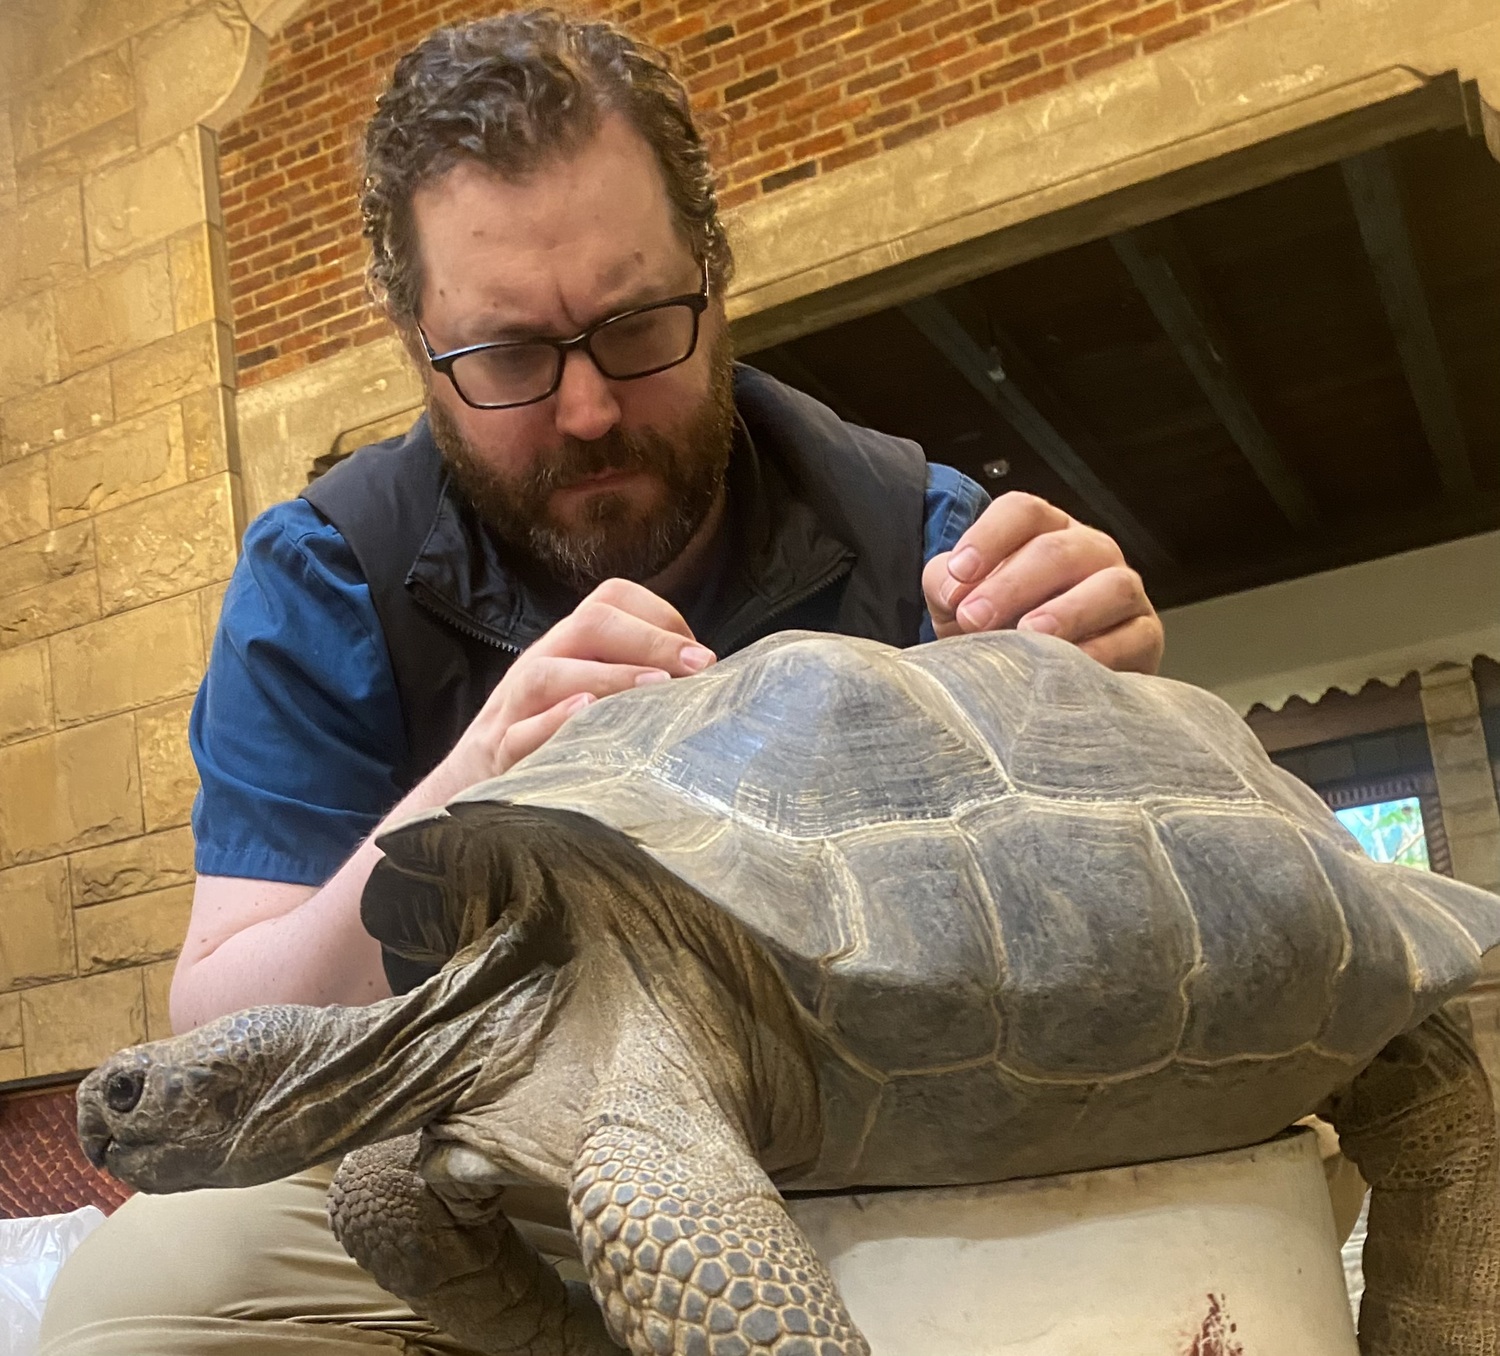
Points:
[(595, 499)]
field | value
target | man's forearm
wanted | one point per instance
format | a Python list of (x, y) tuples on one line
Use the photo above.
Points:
[(251, 942)]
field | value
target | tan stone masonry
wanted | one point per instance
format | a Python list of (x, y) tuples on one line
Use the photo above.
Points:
[(118, 497), (124, 463)]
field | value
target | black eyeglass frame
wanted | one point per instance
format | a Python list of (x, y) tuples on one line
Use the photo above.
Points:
[(697, 302)]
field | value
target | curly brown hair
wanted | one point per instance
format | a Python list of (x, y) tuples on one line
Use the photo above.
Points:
[(513, 92)]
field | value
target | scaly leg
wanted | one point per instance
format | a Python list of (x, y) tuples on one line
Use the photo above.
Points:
[(475, 1278), (688, 1245), (1420, 1125)]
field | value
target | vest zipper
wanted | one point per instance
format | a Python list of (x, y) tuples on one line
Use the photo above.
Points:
[(785, 606), (434, 604)]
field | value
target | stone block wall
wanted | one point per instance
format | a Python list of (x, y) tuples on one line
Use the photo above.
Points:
[(791, 89), (117, 502)]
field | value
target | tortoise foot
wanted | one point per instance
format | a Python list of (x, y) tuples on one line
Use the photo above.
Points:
[(475, 1278), (691, 1251)]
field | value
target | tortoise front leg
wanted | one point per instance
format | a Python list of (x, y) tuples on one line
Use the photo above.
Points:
[(477, 1278), (1420, 1125), (688, 1245)]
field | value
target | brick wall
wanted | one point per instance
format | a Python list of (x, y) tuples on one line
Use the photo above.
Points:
[(792, 90)]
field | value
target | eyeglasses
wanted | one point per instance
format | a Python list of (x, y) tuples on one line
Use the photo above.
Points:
[(635, 343)]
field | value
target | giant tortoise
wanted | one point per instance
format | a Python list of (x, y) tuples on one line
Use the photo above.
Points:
[(833, 915)]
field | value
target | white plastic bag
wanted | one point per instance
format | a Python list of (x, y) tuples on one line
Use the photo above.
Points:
[(32, 1252)]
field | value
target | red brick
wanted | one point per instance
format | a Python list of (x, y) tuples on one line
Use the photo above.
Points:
[(936, 56), (1105, 13), (1101, 61), (964, 22), (1165, 37), (870, 37), (929, 14), (785, 178), (770, 56), (891, 117), (818, 145), (862, 151), (1004, 28), (1044, 83), (874, 79), (1010, 71), (1084, 43), (975, 108), (911, 132), (888, 9), (1040, 37), (908, 89), (1146, 20), (810, 61), (943, 97), (797, 23)]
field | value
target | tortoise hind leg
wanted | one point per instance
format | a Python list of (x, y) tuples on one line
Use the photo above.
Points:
[(688, 1245), (475, 1278), (1420, 1125)]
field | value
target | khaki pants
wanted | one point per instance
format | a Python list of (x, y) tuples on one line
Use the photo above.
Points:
[(219, 1273)]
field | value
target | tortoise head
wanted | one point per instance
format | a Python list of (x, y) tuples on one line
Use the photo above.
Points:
[(175, 1114)]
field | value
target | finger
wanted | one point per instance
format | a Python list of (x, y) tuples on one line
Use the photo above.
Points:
[(1044, 568), (599, 631), (934, 577), (641, 602), (1097, 603), (527, 736), (998, 533), (540, 682), (1134, 647)]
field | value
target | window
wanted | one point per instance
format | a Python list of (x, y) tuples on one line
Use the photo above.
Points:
[(1390, 830)]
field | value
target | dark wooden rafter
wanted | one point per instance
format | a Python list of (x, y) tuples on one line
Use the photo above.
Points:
[(1165, 276), (1376, 195), (993, 375)]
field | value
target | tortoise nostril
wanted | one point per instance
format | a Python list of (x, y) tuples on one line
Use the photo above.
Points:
[(122, 1090)]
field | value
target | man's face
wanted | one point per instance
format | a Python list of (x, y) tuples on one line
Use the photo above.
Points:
[(603, 477)]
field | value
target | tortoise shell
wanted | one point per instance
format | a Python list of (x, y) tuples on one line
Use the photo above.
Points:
[(1036, 916)]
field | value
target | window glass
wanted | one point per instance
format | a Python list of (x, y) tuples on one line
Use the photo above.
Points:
[(1390, 831)]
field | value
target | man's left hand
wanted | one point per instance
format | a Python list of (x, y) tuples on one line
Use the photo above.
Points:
[(1024, 563)]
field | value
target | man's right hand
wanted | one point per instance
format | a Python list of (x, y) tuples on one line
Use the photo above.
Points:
[(258, 941), (621, 636)]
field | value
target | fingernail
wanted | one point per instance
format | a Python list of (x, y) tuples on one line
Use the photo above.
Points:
[(653, 676), (580, 701), (1042, 622), (964, 565), (976, 615), (695, 657)]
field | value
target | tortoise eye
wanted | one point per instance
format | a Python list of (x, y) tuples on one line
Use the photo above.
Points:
[(122, 1090)]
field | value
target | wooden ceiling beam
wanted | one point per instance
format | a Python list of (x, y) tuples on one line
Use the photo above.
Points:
[(1165, 276), (987, 373), (1371, 180)]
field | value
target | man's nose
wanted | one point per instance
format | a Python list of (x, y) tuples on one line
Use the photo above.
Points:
[(586, 404)]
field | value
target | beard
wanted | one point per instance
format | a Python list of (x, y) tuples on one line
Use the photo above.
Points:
[(611, 536)]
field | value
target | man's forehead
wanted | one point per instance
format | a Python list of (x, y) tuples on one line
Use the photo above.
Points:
[(584, 231)]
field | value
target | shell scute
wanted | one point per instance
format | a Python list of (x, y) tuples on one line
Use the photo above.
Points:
[(1091, 988), (915, 986), (1271, 934)]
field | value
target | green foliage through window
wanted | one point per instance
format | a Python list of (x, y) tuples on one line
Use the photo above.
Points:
[(1390, 831)]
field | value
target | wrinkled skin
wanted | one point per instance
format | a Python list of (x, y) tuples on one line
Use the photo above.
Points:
[(664, 1079)]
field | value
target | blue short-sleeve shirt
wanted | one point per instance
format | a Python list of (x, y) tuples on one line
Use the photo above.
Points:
[(297, 730)]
